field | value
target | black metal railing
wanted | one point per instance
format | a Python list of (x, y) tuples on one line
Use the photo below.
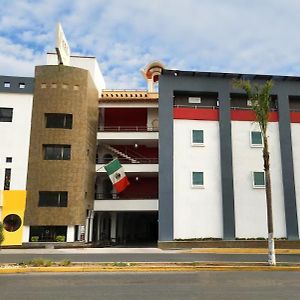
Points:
[(115, 196), (196, 106), (128, 161), (128, 128)]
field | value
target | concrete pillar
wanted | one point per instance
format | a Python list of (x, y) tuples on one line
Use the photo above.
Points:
[(98, 226), (91, 223), (26, 231), (113, 227), (70, 234)]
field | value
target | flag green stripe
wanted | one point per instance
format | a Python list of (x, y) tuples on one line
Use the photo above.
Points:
[(112, 167)]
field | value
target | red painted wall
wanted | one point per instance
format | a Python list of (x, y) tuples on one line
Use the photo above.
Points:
[(125, 117), (145, 186), (295, 117), (249, 115), (196, 114)]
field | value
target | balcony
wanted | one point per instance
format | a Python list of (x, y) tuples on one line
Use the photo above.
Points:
[(127, 129), (138, 133), (115, 196)]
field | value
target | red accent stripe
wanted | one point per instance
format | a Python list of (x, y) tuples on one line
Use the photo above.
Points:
[(121, 184), (196, 114), (295, 117), (249, 115)]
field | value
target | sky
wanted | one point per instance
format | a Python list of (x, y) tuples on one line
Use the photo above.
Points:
[(240, 36)]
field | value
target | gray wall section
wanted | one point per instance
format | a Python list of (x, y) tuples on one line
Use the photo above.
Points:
[(226, 165), (222, 84), (165, 111), (14, 84), (287, 167)]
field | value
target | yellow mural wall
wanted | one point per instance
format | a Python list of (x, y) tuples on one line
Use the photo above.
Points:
[(13, 208)]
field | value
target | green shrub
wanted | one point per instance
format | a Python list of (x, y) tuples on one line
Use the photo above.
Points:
[(1, 233), (64, 263), (37, 262), (60, 238), (34, 238)]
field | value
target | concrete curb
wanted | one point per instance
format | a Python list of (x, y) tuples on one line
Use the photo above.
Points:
[(149, 268)]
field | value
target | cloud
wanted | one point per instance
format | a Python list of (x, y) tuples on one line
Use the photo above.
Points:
[(234, 35)]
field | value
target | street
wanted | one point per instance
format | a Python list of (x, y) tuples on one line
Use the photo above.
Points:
[(164, 286)]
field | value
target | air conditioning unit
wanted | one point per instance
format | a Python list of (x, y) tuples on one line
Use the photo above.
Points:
[(194, 100)]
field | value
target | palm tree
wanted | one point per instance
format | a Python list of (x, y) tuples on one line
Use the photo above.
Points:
[(260, 98)]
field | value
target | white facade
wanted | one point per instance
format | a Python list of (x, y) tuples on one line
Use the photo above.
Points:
[(87, 63), (249, 202), (295, 133), (197, 211), (15, 138)]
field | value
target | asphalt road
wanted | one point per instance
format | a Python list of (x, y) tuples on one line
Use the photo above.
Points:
[(149, 257), (146, 286)]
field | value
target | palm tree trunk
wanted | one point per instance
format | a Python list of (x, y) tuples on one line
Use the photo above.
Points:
[(271, 243)]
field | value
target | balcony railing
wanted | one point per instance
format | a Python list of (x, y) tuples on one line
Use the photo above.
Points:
[(128, 128), (196, 106), (128, 161), (115, 196)]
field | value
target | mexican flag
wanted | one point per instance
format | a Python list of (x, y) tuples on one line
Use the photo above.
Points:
[(117, 175)]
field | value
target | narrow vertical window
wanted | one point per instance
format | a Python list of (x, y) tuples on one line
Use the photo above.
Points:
[(197, 137), (197, 179), (256, 139), (258, 179), (7, 178)]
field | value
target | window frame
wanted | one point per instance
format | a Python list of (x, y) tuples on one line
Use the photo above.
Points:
[(60, 202), (62, 155), (196, 144), (253, 180), (197, 186), (251, 140), (67, 119), (7, 119)]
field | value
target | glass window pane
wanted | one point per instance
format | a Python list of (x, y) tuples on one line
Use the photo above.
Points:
[(259, 178), (57, 152), (63, 121), (6, 114), (198, 136), (197, 178), (256, 138)]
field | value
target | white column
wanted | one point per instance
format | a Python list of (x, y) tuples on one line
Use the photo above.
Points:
[(113, 228), (26, 230), (86, 237), (98, 225), (70, 234), (91, 226)]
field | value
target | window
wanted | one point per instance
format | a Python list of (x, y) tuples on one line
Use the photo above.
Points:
[(57, 152), (195, 100), (258, 179), (59, 121), (6, 114), (22, 85), (256, 139), (12, 223), (53, 199), (7, 84), (7, 178), (197, 137), (8, 159), (197, 179)]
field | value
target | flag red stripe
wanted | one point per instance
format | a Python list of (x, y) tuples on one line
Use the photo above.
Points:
[(121, 184)]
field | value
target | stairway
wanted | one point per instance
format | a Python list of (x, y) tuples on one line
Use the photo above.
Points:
[(119, 153)]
